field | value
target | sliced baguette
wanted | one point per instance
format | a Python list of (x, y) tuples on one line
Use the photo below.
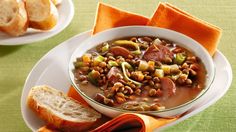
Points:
[(59, 110), (13, 17), (43, 14)]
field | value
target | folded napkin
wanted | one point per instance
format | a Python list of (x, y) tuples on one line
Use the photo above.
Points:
[(128, 122), (170, 17), (110, 17), (166, 16)]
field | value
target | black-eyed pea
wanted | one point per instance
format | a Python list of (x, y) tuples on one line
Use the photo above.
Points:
[(148, 77), (132, 85), (151, 83), (192, 59), (188, 82), (99, 97), (121, 89), (157, 86), (103, 64), (118, 84), (137, 91), (82, 77), (120, 94), (132, 97), (156, 79), (110, 95), (147, 87), (134, 39), (152, 92), (85, 82), (185, 66), (192, 72), (129, 89), (167, 60), (119, 99), (185, 71), (125, 91), (154, 107), (194, 66)]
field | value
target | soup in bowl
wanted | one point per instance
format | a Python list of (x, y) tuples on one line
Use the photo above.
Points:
[(142, 70)]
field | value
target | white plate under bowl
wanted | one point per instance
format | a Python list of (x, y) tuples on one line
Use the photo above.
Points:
[(66, 13), (52, 69)]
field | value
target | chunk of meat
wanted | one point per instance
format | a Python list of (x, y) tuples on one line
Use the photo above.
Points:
[(112, 75), (120, 51), (168, 87), (158, 53)]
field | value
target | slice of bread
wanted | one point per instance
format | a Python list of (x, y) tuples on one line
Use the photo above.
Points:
[(43, 14), (59, 110), (13, 17)]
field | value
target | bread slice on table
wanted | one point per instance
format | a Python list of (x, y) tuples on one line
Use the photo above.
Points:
[(13, 17), (61, 111), (43, 14)]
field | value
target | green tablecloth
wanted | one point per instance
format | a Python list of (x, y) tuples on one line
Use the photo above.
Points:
[(17, 61)]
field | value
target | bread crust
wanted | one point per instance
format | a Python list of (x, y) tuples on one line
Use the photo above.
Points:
[(19, 24), (49, 22), (55, 121)]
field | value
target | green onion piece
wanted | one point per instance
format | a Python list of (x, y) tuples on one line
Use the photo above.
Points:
[(125, 65), (179, 58), (112, 63), (129, 43), (93, 77), (98, 59), (143, 65), (79, 64), (105, 47)]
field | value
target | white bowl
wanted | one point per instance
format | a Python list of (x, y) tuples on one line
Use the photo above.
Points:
[(121, 32)]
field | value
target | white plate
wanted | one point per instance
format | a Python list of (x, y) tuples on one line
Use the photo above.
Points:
[(66, 13), (52, 69)]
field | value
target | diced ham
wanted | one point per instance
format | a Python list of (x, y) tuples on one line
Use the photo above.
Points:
[(168, 87), (112, 75), (158, 53), (120, 51)]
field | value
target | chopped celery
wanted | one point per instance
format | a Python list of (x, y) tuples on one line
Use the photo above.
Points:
[(105, 47), (179, 58), (93, 77), (125, 65), (79, 64), (166, 69), (112, 63), (129, 43), (159, 73), (98, 59), (143, 65)]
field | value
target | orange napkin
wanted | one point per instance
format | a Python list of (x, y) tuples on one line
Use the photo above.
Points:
[(110, 17), (129, 121), (170, 17)]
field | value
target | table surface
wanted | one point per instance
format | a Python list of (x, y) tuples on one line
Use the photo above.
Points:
[(17, 61)]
